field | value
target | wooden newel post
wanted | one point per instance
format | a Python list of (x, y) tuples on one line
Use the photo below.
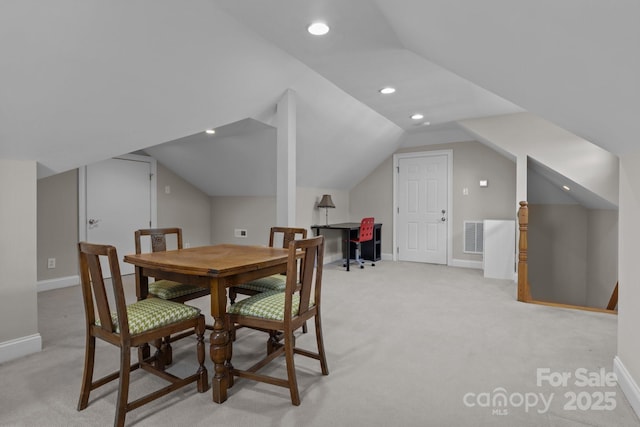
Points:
[(524, 292)]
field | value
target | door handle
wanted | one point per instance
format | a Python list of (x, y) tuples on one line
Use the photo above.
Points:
[(93, 222)]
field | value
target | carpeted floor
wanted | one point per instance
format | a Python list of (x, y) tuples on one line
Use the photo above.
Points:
[(408, 345)]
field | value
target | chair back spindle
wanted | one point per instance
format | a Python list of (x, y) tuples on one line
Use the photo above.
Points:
[(289, 234), (158, 237), (309, 278)]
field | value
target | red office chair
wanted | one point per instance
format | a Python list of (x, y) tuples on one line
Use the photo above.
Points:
[(365, 235)]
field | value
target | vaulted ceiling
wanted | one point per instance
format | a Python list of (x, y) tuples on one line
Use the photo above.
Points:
[(84, 81)]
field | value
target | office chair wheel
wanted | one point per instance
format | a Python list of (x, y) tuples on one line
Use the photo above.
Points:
[(373, 264), (362, 266)]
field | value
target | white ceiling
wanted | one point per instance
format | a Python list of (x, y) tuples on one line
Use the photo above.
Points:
[(360, 55), (83, 82)]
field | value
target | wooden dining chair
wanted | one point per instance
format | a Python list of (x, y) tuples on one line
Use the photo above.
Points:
[(128, 326), (275, 282), (167, 289), (285, 312)]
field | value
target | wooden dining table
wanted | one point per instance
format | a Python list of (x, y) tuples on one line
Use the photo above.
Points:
[(218, 267)]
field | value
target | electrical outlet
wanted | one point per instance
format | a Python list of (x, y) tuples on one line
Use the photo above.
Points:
[(240, 232), (51, 263)]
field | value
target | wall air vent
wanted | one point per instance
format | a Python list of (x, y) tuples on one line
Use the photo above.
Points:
[(473, 237)]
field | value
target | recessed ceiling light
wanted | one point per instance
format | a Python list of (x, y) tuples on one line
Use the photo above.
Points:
[(210, 131), (417, 116), (566, 188), (318, 29), (387, 90)]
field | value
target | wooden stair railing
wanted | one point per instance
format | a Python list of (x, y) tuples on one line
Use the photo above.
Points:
[(524, 288), (524, 291), (613, 301)]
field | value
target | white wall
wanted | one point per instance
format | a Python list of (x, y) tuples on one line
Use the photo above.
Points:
[(19, 303)]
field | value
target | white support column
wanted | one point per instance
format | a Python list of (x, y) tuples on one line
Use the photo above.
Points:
[(521, 178), (286, 160), (18, 255)]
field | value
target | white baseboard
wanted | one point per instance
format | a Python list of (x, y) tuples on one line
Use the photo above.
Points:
[(62, 282), (13, 349), (465, 263), (627, 384)]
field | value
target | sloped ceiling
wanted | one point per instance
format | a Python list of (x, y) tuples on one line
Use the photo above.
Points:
[(84, 81), (573, 62)]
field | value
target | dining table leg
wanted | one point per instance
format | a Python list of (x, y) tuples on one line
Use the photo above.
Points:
[(220, 342)]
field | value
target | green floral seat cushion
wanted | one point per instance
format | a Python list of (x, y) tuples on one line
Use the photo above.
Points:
[(166, 289), (152, 313), (277, 282), (267, 305)]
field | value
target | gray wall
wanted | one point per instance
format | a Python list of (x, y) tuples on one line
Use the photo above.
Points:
[(373, 196), (572, 254), (185, 206), (307, 214), (472, 161), (58, 225), (254, 214), (208, 220), (57, 222), (258, 214), (557, 253), (602, 256)]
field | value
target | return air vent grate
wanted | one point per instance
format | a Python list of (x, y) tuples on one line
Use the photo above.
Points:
[(473, 237)]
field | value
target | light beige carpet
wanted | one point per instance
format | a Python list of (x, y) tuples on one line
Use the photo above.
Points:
[(408, 345)]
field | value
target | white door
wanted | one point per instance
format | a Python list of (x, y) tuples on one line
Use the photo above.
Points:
[(118, 202), (422, 209)]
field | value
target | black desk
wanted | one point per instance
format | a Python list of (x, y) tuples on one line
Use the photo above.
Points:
[(370, 249)]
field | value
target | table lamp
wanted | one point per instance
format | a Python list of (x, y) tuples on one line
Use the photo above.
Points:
[(326, 203)]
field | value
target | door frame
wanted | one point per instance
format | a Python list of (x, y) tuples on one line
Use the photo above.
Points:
[(396, 170), (82, 192)]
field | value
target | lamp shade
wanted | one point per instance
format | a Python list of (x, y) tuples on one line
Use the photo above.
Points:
[(326, 202)]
